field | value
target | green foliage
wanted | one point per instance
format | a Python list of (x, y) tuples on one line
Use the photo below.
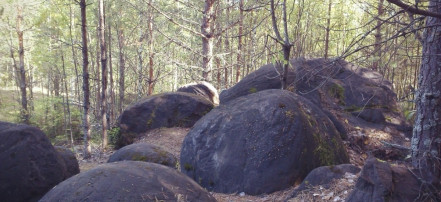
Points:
[(9, 106), (114, 135), (252, 90), (188, 167), (49, 115), (337, 91)]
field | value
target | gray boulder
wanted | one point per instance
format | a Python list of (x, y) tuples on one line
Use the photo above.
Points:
[(260, 143), (69, 159), (128, 181), (29, 166), (144, 152), (380, 181), (324, 175), (334, 85), (163, 110)]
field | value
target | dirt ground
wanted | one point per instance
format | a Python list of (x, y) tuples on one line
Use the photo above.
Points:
[(171, 140)]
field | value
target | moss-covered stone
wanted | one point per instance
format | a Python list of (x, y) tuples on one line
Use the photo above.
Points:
[(337, 91)]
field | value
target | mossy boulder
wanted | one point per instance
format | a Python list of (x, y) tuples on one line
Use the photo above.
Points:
[(177, 109), (144, 152), (260, 143), (29, 164), (129, 181), (332, 84)]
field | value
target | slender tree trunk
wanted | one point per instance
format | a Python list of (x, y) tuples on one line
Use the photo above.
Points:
[(328, 29), (97, 80), (111, 87), (74, 54), (378, 38), (121, 69), (69, 116), (86, 104), (227, 48), (102, 35), (239, 45), (31, 87), (139, 70), (22, 80), (426, 143), (286, 45), (207, 29), (151, 50)]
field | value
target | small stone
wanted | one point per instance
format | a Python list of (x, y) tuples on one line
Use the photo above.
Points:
[(242, 194)]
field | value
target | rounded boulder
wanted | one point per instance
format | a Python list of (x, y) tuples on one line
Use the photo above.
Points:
[(69, 159), (163, 110), (144, 152), (29, 164), (260, 143), (129, 181)]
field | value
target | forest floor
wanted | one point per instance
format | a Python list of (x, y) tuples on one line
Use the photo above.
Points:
[(171, 139)]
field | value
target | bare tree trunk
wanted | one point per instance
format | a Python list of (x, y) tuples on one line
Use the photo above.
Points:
[(102, 35), (24, 102), (74, 55), (97, 80), (31, 87), (86, 104), (121, 69), (69, 116), (377, 46), (111, 87), (207, 29), (151, 50), (328, 29), (227, 47), (286, 45), (239, 45)]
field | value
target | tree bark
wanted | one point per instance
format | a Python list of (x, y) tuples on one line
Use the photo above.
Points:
[(378, 38), (74, 54), (69, 115), (111, 86), (207, 29), (121, 69), (426, 139), (86, 105), (286, 45), (328, 29), (24, 102), (239, 45), (150, 42), (103, 50)]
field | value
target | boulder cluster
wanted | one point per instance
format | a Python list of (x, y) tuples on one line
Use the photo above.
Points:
[(253, 138)]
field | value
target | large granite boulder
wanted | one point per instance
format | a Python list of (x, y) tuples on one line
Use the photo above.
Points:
[(260, 143), (380, 181), (332, 84), (29, 164), (144, 152), (324, 176), (203, 89), (163, 110), (69, 159), (129, 181)]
